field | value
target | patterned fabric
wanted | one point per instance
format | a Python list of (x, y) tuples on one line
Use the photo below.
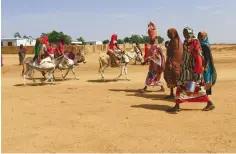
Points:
[(190, 31), (191, 70), (174, 58), (156, 66)]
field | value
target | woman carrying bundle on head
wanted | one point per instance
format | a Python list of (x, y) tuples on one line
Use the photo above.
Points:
[(155, 59)]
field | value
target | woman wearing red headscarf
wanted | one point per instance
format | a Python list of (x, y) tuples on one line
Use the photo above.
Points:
[(112, 47), (156, 60), (44, 49)]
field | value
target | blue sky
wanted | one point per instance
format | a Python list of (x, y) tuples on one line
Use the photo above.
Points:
[(99, 19)]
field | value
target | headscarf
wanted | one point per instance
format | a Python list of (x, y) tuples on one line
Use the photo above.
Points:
[(205, 38), (152, 32), (62, 40), (45, 40), (190, 31), (37, 46), (173, 33), (113, 42), (38, 41)]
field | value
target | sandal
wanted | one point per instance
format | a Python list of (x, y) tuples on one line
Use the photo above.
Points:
[(173, 110), (208, 108)]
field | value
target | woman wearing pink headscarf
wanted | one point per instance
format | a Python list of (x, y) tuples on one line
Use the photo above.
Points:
[(155, 59)]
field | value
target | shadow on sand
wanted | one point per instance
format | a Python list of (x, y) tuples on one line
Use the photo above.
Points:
[(127, 90), (35, 84), (66, 79), (105, 80), (152, 107), (152, 96)]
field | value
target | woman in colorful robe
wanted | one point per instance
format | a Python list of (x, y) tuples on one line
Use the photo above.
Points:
[(155, 59), (22, 53), (210, 74), (191, 69), (173, 60)]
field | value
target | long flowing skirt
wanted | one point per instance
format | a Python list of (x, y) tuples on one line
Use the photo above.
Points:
[(153, 79), (199, 95), (171, 75)]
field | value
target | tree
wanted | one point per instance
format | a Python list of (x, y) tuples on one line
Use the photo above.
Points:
[(120, 41), (105, 41), (81, 39), (54, 36), (160, 39), (136, 39), (17, 34), (145, 38), (127, 40), (43, 34)]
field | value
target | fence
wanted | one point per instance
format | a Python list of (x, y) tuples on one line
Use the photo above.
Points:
[(87, 48)]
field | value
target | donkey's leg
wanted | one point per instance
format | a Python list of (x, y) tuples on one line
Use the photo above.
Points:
[(126, 72), (51, 77), (24, 76), (121, 72), (62, 74), (102, 69), (66, 73), (73, 71)]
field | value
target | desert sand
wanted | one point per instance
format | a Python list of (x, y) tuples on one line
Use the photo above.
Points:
[(88, 115)]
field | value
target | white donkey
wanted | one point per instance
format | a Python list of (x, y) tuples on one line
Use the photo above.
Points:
[(136, 56), (67, 64), (104, 63), (47, 65)]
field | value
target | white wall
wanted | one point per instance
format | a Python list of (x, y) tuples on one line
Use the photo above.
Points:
[(25, 42), (98, 43), (5, 42)]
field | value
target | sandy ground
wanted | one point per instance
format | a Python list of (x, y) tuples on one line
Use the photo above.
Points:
[(88, 115)]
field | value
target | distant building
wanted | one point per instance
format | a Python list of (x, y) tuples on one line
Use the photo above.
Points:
[(94, 42), (18, 41), (76, 43)]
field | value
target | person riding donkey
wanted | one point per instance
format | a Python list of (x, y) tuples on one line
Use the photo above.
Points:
[(113, 46), (60, 48), (42, 52), (137, 49)]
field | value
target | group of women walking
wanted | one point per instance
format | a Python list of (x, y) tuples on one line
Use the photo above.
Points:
[(188, 67)]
